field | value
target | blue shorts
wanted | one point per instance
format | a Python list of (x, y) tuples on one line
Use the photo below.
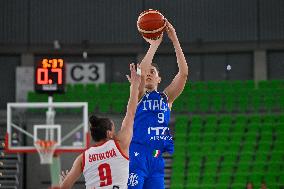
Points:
[(146, 170)]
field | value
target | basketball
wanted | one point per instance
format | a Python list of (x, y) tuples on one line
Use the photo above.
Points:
[(151, 24)]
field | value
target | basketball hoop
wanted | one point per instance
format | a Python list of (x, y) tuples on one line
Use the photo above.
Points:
[(46, 149)]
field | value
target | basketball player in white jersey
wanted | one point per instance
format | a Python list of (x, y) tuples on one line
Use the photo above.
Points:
[(106, 164)]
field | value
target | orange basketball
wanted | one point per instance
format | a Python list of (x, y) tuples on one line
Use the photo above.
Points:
[(151, 24)]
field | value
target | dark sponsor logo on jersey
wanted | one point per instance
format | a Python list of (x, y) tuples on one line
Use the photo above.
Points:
[(106, 155), (159, 133)]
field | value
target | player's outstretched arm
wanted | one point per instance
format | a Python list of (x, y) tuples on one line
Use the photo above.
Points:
[(73, 175), (178, 83), (125, 134), (147, 60)]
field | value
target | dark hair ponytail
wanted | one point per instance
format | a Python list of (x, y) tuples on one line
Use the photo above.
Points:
[(99, 127)]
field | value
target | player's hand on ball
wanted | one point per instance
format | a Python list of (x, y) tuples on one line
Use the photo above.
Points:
[(171, 31), (156, 42), (135, 76)]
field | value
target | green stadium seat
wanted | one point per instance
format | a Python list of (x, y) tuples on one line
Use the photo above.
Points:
[(119, 106), (256, 103), (193, 168), (199, 85), (213, 85), (226, 119), (278, 144), (241, 119), (280, 118), (104, 88), (196, 120), (280, 180), (266, 127), (224, 128), (220, 147), (246, 157), (243, 103), (249, 84), (274, 167), (225, 85), (211, 119), (248, 147), (238, 85), (263, 84), (224, 179), (277, 156), (104, 105), (251, 138), (59, 97), (187, 88), (269, 103), (243, 167), (90, 88), (79, 87), (240, 181), (234, 145), (208, 181), (253, 128), (266, 137), (92, 106), (179, 105), (120, 87), (177, 177), (255, 119), (217, 105), (192, 179), (36, 97), (269, 119), (203, 106), (229, 102), (209, 128), (69, 88), (211, 168), (238, 128), (256, 178)]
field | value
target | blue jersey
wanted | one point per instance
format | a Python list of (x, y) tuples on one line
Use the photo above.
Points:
[(151, 122)]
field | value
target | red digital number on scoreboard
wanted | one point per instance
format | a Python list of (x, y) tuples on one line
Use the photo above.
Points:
[(50, 75)]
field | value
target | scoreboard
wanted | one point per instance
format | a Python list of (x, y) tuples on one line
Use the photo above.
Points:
[(50, 76)]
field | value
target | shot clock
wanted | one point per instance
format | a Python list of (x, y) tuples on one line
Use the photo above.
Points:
[(50, 76)]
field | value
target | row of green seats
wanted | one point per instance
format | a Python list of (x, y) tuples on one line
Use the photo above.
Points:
[(102, 104), (229, 103), (234, 85), (237, 118)]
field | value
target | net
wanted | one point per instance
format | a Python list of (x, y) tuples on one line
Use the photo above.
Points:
[(45, 149)]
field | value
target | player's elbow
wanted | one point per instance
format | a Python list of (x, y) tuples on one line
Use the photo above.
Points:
[(183, 72)]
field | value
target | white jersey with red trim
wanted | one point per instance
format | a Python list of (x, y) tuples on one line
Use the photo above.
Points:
[(105, 166)]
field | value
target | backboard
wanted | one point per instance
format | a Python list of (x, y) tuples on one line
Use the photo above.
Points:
[(65, 123)]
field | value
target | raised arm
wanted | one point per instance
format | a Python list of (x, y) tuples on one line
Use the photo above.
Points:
[(147, 60), (124, 136), (178, 83), (73, 175)]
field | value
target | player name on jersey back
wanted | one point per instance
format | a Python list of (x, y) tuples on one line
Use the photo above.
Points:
[(101, 156)]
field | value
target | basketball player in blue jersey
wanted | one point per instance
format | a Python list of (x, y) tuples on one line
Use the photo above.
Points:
[(151, 135)]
